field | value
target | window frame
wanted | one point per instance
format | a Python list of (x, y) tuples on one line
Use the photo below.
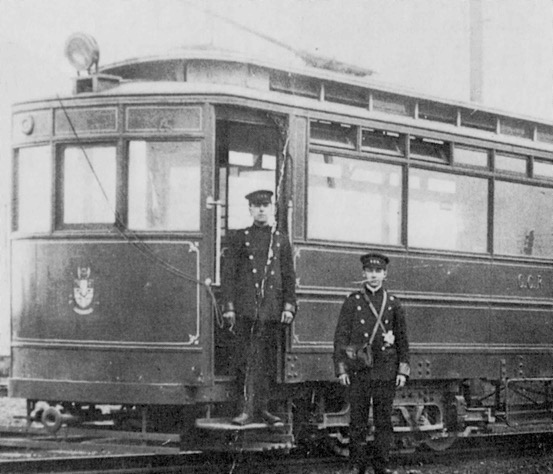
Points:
[(124, 182), (59, 224)]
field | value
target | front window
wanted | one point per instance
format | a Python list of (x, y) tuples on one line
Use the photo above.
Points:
[(353, 200), (447, 212), (164, 186), (33, 189), (89, 183), (523, 220)]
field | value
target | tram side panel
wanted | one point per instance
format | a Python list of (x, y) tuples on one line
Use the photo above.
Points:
[(101, 321), (466, 318)]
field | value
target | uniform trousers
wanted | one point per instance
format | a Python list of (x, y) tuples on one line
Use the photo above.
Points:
[(382, 393), (255, 362)]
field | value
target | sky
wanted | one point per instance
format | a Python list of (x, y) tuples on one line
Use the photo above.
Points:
[(418, 45)]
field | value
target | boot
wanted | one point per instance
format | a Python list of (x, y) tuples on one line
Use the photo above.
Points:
[(269, 418), (243, 419)]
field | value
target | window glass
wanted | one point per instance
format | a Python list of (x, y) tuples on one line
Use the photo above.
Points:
[(512, 163), (471, 157), (543, 169), (34, 189), (353, 200), (428, 149), (447, 212), (521, 226), (164, 185), (333, 134), (89, 175), (383, 142)]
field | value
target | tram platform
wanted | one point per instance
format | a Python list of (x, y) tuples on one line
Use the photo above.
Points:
[(220, 434)]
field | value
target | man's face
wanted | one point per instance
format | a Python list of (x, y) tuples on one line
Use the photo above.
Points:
[(374, 276), (261, 213)]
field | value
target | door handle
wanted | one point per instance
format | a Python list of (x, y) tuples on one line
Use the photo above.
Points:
[(210, 204)]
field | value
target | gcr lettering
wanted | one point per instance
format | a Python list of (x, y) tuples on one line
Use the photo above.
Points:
[(531, 282)]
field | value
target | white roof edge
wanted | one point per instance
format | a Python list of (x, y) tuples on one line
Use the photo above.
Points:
[(317, 73)]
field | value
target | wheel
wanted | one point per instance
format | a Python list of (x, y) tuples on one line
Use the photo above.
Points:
[(440, 444)]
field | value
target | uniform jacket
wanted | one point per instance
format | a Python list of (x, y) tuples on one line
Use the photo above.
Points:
[(354, 328), (244, 269)]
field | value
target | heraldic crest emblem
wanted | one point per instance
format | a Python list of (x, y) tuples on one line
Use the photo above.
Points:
[(83, 291)]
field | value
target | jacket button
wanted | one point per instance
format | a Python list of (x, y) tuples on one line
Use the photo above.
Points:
[(389, 307), (272, 272), (362, 321), (251, 257), (257, 285), (366, 334), (247, 244), (357, 296), (254, 270), (386, 322), (359, 308), (246, 232)]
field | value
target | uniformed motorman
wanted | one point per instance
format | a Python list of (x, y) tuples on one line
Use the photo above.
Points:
[(259, 297), (371, 356)]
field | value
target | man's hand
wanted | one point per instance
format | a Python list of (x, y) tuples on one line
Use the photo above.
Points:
[(230, 318), (344, 379), (400, 381), (286, 317)]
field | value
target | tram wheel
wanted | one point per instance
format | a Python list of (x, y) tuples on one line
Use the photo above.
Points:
[(440, 444)]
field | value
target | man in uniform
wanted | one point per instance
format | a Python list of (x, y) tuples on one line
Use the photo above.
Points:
[(371, 356), (259, 296)]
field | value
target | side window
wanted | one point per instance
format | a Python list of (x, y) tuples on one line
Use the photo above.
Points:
[(33, 189), (447, 211), (247, 157), (353, 200), (164, 185), (531, 233), (89, 183)]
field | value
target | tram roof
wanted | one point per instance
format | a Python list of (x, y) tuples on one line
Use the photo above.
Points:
[(319, 79)]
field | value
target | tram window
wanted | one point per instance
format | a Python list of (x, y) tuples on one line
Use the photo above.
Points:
[(34, 178), (521, 226), (333, 134), (428, 149), (447, 212), (383, 142), (89, 179), (164, 185), (511, 163), (354, 201), (543, 169), (471, 157)]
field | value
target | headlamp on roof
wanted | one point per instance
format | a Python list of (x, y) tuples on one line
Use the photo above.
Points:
[(82, 51)]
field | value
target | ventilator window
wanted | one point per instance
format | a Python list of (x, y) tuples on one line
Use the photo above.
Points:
[(511, 163), (383, 142), (333, 134)]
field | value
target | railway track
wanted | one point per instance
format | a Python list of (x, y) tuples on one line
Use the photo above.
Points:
[(26, 453)]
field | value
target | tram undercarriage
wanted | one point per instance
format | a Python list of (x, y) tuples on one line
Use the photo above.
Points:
[(433, 415)]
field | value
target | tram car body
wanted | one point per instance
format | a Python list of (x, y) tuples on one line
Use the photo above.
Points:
[(125, 191)]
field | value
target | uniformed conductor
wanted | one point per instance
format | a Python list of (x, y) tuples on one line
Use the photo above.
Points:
[(259, 296), (371, 356)]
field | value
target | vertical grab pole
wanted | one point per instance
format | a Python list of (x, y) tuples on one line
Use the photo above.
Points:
[(210, 204)]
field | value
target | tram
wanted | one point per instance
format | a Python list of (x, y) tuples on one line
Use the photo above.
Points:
[(125, 191)]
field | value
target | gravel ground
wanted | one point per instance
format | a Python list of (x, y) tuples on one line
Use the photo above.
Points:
[(513, 461)]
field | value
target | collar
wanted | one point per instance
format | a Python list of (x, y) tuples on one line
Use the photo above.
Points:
[(372, 290)]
